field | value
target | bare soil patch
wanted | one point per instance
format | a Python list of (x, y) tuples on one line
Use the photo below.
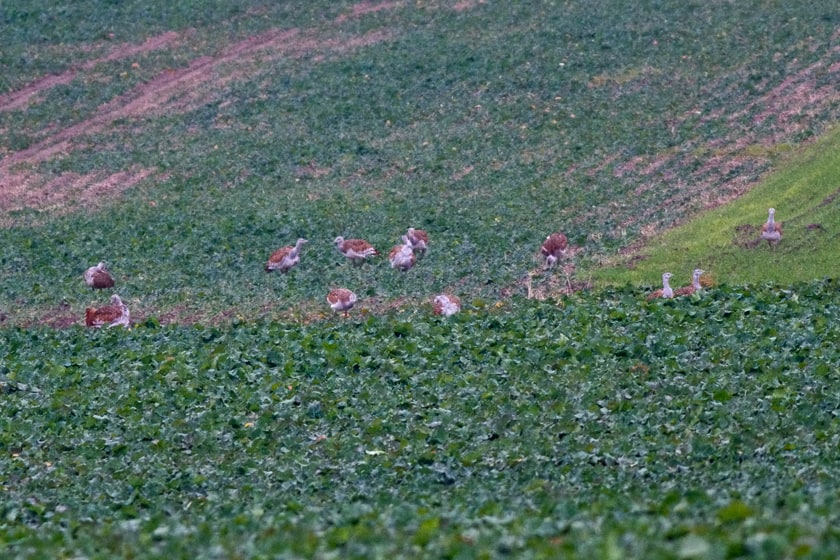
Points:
[(173, 90), (18, 99), (64, 193)]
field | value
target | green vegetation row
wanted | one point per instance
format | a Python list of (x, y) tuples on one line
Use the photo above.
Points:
[(593, 427)]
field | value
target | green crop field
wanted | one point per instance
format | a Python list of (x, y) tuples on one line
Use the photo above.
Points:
[(559, 414)]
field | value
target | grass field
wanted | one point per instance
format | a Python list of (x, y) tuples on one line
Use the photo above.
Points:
[(182, 143)]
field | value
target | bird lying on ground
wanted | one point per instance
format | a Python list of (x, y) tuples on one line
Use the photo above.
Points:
[(446, 305), (665, 291), (112, 315), (694, 287)]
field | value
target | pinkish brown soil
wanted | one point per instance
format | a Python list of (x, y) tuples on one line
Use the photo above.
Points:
[(21, 186)]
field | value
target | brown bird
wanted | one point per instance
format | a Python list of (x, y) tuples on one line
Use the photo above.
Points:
[(446, 305), (694, 287), (341, 299), (402, 256), (112, 315), (419, 240), (285, 258), (97, 277), (771, 230), (357, 250), (665, 291), (553, 248)]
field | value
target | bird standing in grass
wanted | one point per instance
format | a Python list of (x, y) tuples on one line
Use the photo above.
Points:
[(402, 256), (419, 240), (341, 299), (285, 258), (98, 278), (112, 315), (553, 248), (694, 287), (771, 230), (446, 305), (665, 291), (357, 250)]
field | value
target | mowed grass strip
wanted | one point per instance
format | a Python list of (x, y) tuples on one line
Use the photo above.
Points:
[(726, 241)]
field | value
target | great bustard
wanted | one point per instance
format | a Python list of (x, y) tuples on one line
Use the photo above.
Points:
[(285, 258), (771, 230), (98, 278), (112, 315), (665, 291), (357, 250)]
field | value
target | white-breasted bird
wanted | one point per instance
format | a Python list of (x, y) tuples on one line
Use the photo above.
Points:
[(402, 256), (771, 230), (419, 240), (357, 250), (341, 299), (112, 315), (694, 287), (665, 291), (285, 258), (446, 305)]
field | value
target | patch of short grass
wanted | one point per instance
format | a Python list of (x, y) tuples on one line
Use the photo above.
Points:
[(726, 241)]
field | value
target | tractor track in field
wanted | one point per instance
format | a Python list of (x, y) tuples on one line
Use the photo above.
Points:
[(179, 89)]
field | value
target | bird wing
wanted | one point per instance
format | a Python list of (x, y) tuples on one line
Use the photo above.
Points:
[(554, 243), (684, 291), (339, 294), (655, 294), (280, 254), (102, 316), (102, 279), (358, 247)]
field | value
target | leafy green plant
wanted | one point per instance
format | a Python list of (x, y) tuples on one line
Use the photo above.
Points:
[(544, 428)]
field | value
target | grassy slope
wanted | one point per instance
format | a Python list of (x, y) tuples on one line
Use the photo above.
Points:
[(804, 192)]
